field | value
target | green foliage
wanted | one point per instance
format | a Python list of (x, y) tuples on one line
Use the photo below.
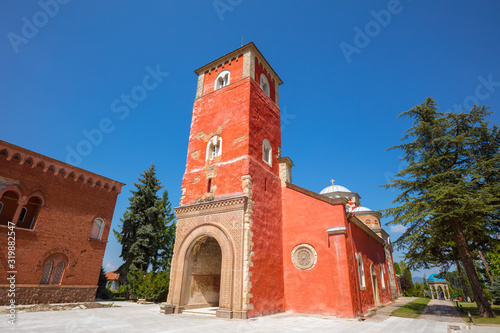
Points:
[(150, 286), (120, 292), (102, 291), (397, 269), (148, 228), (165, 239), (449, 189), (493, 259), (455, 283), (425, 284), (495, 291)]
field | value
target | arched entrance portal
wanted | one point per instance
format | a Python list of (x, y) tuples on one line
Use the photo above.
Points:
[(375, 286), (202, 275)]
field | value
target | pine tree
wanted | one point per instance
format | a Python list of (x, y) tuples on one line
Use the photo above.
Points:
[(144, 226), (165, 238), (450, 187)]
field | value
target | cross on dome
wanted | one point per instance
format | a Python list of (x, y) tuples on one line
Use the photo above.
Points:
[(333, 181)]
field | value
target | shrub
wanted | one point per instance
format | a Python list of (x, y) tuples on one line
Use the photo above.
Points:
[(150, 286), (495, 290)]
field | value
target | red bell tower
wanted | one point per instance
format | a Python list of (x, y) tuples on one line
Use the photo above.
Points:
[(228, 250)]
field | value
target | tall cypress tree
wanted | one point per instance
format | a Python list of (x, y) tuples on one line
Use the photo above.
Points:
[(449, 189), (142, 222)]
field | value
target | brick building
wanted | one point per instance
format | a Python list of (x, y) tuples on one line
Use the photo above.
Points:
[(60, 217), (250, 242)]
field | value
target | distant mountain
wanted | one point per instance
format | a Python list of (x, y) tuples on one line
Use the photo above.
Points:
[(418, 279)]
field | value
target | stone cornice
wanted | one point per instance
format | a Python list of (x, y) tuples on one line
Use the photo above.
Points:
[(211, 207), (235, 54), (315, 195), (371, 213), (20, 156)]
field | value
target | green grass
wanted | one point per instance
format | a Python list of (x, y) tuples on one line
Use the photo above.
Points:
[(412, 309), (472, 307)]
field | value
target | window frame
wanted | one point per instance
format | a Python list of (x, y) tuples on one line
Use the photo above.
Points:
[(226, 83), (361, 272), (382, 275), (55, 273), (267, 152), (101, 228), (215, 142), (264, 85), (22, 215)]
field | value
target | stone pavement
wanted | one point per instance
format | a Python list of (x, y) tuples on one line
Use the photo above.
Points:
[(441, 310), (147, 318)]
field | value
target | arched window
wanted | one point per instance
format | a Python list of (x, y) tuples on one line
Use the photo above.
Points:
[(22, 216), (58, 273), (222, 79), (382, 278), (214, 147), (53, 269), (31, 210), (1, 207), (47, 270), (264, 84), (9, 206), (267, 152), (97, 227), (361, 270)]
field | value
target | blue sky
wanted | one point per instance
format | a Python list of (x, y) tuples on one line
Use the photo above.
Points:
[(349, 68)]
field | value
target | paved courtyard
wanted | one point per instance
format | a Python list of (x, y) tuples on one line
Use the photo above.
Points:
[(147, 318)]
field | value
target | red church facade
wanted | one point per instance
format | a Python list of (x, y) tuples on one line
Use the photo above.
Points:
[(56, 219), (250, 242)]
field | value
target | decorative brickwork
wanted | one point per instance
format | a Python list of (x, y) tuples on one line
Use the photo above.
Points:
[(223, 220), (61, 202)]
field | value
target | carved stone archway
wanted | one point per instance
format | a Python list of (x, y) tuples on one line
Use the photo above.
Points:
[(223, 221)]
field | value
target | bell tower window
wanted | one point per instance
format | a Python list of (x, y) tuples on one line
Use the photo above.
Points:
[(214, 147), (267, 152), (222, 79), (264, 84)]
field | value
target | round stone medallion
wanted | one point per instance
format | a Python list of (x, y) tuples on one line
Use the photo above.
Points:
[(304, 256)]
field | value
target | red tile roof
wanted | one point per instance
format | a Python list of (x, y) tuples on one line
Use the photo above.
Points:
[(112, 276)]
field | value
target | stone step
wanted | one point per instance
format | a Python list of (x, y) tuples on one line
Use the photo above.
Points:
[(202, 311)]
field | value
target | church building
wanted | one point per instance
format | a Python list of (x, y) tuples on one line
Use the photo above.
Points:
[(54, 224), (248, 240)]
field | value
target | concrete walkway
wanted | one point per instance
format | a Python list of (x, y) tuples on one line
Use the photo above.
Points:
[(441, 310), (147, 318)]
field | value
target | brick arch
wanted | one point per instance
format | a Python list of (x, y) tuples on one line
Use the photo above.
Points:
[(227, 269), (40, 195), (13, 188), (66, 252)]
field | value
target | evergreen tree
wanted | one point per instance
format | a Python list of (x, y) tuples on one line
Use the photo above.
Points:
[(397, 269), (165, 239), (495, 290), (146, 225), (102, 292), (450, 187)]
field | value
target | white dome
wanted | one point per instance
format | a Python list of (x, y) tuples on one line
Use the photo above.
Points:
[(334, 188), (362, 209)]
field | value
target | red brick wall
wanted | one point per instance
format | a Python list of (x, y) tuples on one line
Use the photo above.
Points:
[(325, 288), (63, 225)]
